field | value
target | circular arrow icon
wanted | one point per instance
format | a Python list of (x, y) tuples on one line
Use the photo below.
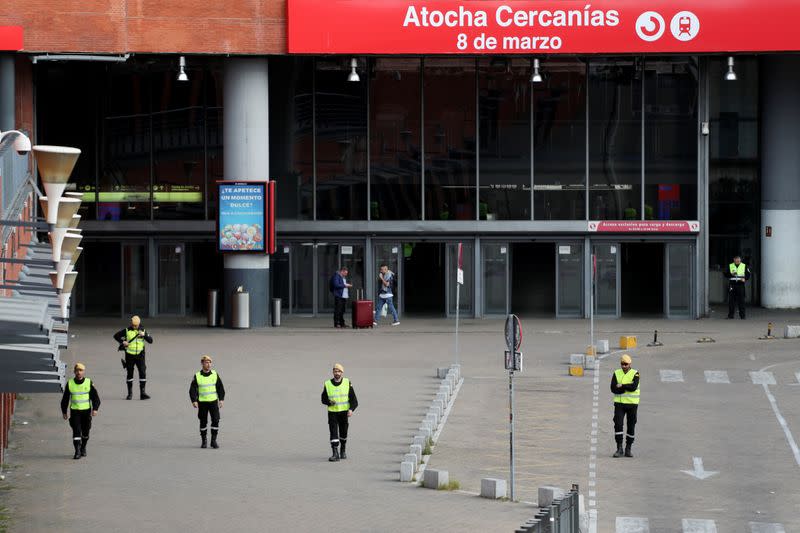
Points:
[(650, 26)]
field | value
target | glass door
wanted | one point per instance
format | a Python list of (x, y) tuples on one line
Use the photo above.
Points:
[(280, 274), (466, 308), (327, 263), (495, 263), (134, 279), (389, 254), (679, 282), (302, 258), (569, 279), (606, 293), (171, 282)]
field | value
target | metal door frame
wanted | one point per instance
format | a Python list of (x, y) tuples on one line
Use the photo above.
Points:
[(157, 243), (399, 299), (618, 295), (507, 244), (448, 279), (582, 311), (147, 243), (692, 281)]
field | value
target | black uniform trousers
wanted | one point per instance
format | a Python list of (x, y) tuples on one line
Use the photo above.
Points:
[(81, 422), (622, 410), (736, 297), (338, 424), (338, 311), (137, 361), (203, 410)]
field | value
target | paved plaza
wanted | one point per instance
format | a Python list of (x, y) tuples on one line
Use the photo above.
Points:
[(145, 470)]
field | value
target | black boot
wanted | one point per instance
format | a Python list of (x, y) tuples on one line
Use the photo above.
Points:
[(335, 456), (343, 455), (628, 448), (142, 394), (130, 391), (214, 439), (84, 440), (203, 437), (619, 452), (77, 444)]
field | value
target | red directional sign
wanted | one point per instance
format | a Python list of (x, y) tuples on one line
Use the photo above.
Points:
[(11, 38)]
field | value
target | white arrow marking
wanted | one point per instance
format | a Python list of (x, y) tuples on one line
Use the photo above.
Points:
[(760, 527), (694, 525), (699, 472), (632, 524), (671, 376)]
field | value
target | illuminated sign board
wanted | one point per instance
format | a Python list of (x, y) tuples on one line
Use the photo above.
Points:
[(242, 219)]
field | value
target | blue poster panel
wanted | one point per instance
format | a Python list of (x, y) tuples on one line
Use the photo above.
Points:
[(242, 214)]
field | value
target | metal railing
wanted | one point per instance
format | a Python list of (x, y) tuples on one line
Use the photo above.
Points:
[(562, 516), (14, 172)]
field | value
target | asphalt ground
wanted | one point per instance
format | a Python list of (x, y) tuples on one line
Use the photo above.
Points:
[(145, 469)]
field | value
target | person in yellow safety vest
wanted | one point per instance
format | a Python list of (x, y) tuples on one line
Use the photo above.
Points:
[(131, 340), (737, 275), (207, 395), (625, 387), (339, 396), (83, 402)]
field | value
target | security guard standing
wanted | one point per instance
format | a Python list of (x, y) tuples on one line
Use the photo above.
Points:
[(340, 397), (132, 339), (625, 387), (737, 275), (207, 395), (82, 399)]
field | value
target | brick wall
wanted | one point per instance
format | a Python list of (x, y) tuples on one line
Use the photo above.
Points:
[(7, 401), (139, 26)]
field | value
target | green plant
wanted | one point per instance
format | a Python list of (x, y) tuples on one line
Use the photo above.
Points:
[(451, 485), (427, 449), (5, 519)]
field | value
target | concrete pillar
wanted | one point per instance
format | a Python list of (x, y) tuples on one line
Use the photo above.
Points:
[(780, 181), (7, 95), (246, 145)]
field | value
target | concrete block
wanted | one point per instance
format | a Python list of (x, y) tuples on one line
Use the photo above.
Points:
[(434, 420), (591, 350), (602, 346), (441, 372), (457, 369), (411, 458), (577, 359), (791, 332), (425, 431), (435, 479), (416, 450), (547, 494), (420, 440), (442, 397), (436, 407), (406, 471), (493, 488), (589, 361), (575, 370), (626, 342)]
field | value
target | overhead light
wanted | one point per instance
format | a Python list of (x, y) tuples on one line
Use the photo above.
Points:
[(21, 145), (182, 72), (731, 74), (353, 76), (536, 77)]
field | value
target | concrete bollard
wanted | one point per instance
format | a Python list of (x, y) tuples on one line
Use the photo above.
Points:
[(441, 373), (436, 407), (453, 380), (493, 488), (416, 450), (434, 420), (406, 471), (435, 479), (791, 332), (577, 359), (411, 458), (442, 397), (547, 494), (589, 361), (602, 346), (457, 370), (425, 431), (420, 440)]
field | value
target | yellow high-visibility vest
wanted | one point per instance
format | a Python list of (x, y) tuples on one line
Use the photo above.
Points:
[(626, 379), (340, 394), (135, 343), (207, 386), (739, 271), (79, 394)]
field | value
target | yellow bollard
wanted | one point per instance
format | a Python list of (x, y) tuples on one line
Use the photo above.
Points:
[(627, 342), (576, 370)]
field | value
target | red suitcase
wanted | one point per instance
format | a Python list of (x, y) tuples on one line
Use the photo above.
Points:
[(363, 314)]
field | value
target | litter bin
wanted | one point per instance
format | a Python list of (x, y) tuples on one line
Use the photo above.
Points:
[(276, 311), (213, 308), (240, 310)]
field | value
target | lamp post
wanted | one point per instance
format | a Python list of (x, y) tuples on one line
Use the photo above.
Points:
[(65, 292), (65, 210), (55, 166)]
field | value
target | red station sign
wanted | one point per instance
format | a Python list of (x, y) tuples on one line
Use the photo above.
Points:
[(541, 27), (11, 38)]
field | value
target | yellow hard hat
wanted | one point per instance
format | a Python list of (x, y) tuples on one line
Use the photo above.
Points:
[(625, 358), (79, 366), (135, 320), (337, 366), (206, 358)]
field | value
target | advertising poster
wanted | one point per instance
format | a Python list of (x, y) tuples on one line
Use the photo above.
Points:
[(242, 217)]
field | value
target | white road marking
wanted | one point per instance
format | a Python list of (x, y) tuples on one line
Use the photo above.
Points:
[(673, 376), (717, 376), (782, 421), (762, 378), (593, 521), (698, 471), (761, 527), (695, 525), (797, 375), (632, 524)]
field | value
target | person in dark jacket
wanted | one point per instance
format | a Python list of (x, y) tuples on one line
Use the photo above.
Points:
[(131, 340), (207, 395), (340, 289), (738, 275), (83, 401), (339, 396), (625, 388)]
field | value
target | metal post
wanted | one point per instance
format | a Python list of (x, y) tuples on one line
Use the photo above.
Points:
[(458, 298), (591, 305), (511, 427)]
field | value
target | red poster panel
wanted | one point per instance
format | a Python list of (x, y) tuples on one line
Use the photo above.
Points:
[(541, 27), (11, 38), (644, 226)]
